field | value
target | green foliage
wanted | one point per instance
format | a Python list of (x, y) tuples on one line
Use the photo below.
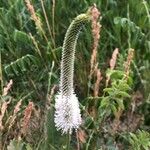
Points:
[(21, 65), (125, 23), (21, 38), (140, 140), (27, 54), (18, 145), (115, 95)]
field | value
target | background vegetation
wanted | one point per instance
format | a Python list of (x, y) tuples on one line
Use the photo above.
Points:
[(31, 37)]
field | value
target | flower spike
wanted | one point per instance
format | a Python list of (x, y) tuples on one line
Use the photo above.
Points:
[(67, 111)]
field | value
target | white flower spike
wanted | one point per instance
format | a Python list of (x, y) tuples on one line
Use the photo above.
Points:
[(67, 111), (67, 115)]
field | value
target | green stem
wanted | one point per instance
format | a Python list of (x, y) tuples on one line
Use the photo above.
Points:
[(146, 8), (129, 33), (1, 78), (68, 141), (90, 138)]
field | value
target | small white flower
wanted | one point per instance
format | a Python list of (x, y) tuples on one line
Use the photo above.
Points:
[(67, 114)]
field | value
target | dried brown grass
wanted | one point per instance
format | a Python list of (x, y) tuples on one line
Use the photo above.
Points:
[(128, 62), (3, 110), (7, 88), (112, 63), (96, 36), (94, 71), (14, 116), (35, 18), (27, 116), (5, 104), (33, 14)]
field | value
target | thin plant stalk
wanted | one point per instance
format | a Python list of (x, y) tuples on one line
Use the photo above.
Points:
[(1, 78), (147, 11), (53, 20), (47, 23), (129, 33), (68, 141)]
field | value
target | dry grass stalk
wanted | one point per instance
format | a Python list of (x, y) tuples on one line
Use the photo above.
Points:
[(47, 22), (14, 116), (35, 18), (113, 59), (7, 88), (17, 107), (3, 110), (5, 104), (33, 14), (94, 71), (27, 116), (112, 63), (128, 62), (96, 35), (82, 136), (53, 17), (97, 83)]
